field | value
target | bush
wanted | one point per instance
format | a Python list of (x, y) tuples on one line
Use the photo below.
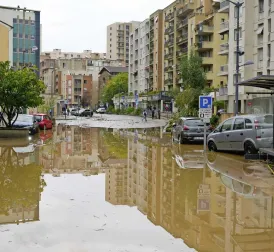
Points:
[(137, 112), (129, 111), (110, 110), (214, 121)]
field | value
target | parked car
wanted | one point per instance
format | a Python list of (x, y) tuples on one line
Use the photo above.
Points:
[(27, 122), (101, 111), (43, 121), (74, 111), (246, 133), (86, 113), (189, 129)]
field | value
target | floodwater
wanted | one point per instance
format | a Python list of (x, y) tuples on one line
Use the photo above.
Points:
[(79, 189)]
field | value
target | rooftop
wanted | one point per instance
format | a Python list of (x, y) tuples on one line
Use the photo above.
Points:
[(112, 69)]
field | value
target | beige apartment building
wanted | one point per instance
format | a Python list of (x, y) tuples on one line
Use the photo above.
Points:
[(156, 82), (118, 41), (4, 42)]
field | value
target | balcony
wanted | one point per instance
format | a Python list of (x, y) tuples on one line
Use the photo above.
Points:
[(169, 30), (223, 70), (204, 45), (168, 68), (169, 55), (207, 60), (224, 6), (182, 52), (169, 81), (169, 17), (189, 7), (182, 38), (224, 49), (204, 29), (169, 42), (209, 75), (182, 24), (223, 91), (224, 27)]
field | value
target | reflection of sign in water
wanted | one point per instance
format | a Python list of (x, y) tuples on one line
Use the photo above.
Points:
[(203, 205), (203, 197)]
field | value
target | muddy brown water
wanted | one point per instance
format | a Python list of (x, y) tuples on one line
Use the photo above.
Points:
[(77, 189)]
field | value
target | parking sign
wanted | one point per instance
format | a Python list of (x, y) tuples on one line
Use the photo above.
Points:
[(205, 102)]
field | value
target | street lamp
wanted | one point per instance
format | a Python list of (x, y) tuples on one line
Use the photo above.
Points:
[(237, 5)]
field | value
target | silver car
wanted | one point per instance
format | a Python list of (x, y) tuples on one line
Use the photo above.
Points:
[(246, 133), (189, 129)]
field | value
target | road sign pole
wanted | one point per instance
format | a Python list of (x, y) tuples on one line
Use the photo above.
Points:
[(204, 136)]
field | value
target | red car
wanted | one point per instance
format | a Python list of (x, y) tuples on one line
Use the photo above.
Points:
[(43, 121)]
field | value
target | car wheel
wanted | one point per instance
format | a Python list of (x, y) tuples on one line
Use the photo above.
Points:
[(212, 146), (249, 148)]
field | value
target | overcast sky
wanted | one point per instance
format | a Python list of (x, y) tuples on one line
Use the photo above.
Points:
[(79, 25)]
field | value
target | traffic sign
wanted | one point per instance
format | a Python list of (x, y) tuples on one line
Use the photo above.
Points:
[(203, 205), (205, 113), (203, 197), (205, 102)]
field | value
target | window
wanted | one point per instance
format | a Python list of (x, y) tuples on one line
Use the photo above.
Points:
[(235, 34), (85, 82), (110, 51), (110, 28), (64, 65), (239, 124), (261, 6), (110, 45), (110, 40), (227, 125), (248, 124), (110, 34), (222, 37)]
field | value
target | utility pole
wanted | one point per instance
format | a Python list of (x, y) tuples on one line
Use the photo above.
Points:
[(237, 5)]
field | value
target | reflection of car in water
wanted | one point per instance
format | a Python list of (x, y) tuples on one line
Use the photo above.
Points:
[(244, 178), (189, 157)]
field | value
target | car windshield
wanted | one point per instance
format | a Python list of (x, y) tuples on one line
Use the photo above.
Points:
[(23, 118), (38, 118), (194, 122)]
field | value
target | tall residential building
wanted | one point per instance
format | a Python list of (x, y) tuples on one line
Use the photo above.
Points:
[(156, 46), (139, 59), (256, 42), (25, 40), (118, 40)]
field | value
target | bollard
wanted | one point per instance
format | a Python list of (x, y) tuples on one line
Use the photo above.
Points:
[(44, 129)]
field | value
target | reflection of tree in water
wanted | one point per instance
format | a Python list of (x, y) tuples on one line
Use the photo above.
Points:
[(116, 145), (20, 185)]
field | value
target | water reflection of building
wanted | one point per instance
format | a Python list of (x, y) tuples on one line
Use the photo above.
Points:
[(209, 210), (20, 183), (72, 150)]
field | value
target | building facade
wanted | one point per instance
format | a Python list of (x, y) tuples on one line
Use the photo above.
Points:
[(4, 42), (118, 41), (25, 40), (139, 59)]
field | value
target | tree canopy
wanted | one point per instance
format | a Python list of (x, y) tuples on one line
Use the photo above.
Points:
[(116, 85), (194, 80), (19, 89)]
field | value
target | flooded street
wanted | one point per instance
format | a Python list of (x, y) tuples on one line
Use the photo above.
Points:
[(91, 189)]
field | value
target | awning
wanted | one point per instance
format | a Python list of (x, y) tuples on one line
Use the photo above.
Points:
[(263, 81), (260, 30)]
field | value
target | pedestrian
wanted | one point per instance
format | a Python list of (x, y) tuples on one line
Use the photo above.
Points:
[(50, 113), (68, 112), (159, 114), (153, 113), (144, 116)]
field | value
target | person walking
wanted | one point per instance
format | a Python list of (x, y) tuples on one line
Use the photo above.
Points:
[(153, 113), (159, 114), (144, 116)]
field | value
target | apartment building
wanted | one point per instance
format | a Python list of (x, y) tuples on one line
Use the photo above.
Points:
[(118, 40), (54, 73), (86, 54), (156, 81), (256, 42), (205, 39), (25, 37), (5, 41), (139, 59)]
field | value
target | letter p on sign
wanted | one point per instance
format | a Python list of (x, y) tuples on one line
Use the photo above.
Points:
[(205, 102)]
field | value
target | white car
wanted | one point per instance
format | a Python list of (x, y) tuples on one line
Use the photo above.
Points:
[(101, 110)]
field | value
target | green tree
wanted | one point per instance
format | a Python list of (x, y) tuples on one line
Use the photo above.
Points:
[(194, 82), (117, 85), (20, 89)]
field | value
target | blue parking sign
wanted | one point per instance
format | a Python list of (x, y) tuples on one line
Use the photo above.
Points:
[(205, 102)]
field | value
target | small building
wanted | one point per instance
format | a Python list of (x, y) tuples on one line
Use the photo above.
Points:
[(107, 73)]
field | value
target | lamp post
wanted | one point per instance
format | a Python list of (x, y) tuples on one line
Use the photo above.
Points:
[(238, 53)]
